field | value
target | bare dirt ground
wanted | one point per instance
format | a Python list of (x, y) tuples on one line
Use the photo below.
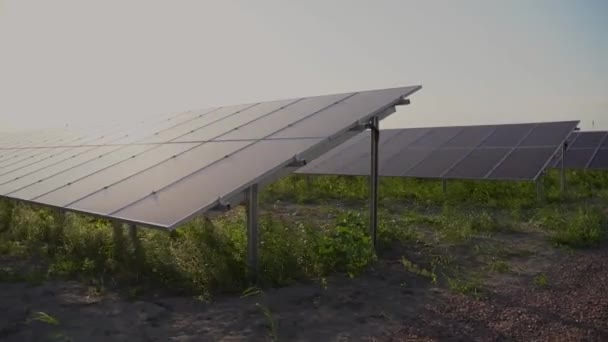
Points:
[(573, 306), (548, 294)]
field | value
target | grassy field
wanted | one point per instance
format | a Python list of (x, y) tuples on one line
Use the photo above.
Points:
[(312, 228)]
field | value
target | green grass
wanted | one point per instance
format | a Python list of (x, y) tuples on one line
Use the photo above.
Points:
[(583, 227), (321, 189), (44, 318), (264, 310), (541, 280), (514, 196), (470, 286), (393, 231), (207, 257), (499, 266), (201, 258), (413, 268)]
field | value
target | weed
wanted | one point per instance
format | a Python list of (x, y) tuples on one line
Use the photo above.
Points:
[(541, 280), (270, 320), (44, 318), (484, 222), (417, 219), (7, 274), (264, 309), (285, 250), (397, 231), (60, 337), (347, 248), (550, 218), (468, 286), (413, 268), (455, 227), (323, 283), (499, 266), (251, 292), (441, 260), (582, 229)]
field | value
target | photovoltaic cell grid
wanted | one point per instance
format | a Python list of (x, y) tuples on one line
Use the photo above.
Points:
[(586, 150), (164, 171), (499, 152)]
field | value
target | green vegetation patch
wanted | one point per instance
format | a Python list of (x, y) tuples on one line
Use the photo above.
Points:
[(205, 256), (584, 227), (202, 257)]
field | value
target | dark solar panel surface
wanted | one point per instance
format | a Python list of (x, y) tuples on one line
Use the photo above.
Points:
[(437, 162), (600, 161), (508, 135), (471, 137), (578, 158), (604, 143), (436, 137), (586, 150), (501, 152), (165, 170), (523, 163), (588, 140), (400, 163), (478, 164), (548, 134)]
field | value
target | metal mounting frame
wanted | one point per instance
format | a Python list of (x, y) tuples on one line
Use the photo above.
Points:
[(374, 126), (562, 171), (252, 231)]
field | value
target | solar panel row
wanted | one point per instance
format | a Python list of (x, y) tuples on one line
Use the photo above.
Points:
[(586, 150), (164, 171), (502, 152)]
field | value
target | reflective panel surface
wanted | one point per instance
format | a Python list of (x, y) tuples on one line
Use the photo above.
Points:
[(583, 150), (471, 152), (163, 170)]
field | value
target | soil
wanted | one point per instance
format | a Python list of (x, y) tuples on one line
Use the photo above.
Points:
[(548, 295)]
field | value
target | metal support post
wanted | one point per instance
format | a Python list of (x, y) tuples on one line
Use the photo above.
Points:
[(138, 253), (119, 240), (8, 206), (135, 243), (539, 189), (133, 232), (60, 218), (373, 181), (309, 183), (562, 175), (252, 231)]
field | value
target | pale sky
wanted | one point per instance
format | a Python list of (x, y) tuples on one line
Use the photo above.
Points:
[(479, 61)]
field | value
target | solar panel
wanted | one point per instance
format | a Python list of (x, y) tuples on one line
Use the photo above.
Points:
[(523, 163), (478, 164), (436, 137), (437, 162), (500, 152), (600, 161), (164, 171), (548, 134), (586, 150), (588, 140), (578, 158), (508, 135), (472, 137), (401, 162)]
